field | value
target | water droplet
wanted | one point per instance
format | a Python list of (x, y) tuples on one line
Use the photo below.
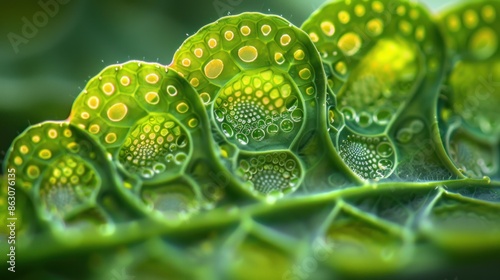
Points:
[(349, 113), (297, 115), (242, 138), (416, 126), (384, 149), (384, 164), (258, 134), (286, 125), (227, 130), (364, 119), (382, 116), (404, 135), (272, 129)]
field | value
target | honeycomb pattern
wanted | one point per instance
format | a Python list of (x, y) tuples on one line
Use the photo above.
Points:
[(260, 79), (58, 168), (379, 56)]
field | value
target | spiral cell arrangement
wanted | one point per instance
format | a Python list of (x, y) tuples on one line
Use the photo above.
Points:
[(468, 111), (261, 81), (378, 56), (61, 169), (368, 138)]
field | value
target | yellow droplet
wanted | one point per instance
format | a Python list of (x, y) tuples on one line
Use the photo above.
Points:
[(328, 28), (110, 138), (93, 102), (405, 27), (285, 90), (305, 74), (152, 98), (314, 37), (278, 103), (74, 180), (401, 10), (152, 78), (453, 23), (483, 43), (35, 139), (45, 154), (67, 133), (274, 94), (194, 82), (248, 53), (414, 14), (310, 90), (117, 112), (359, 10), (94, 129), (377, 6), (344, 17), (279, 58), (341, 68), (245, 30), (125, 80), (198, 52), (349, 43), (193, 122), (85, 115), (265, 29), (299, 54), (18, 160), (470, 19), (285, 39), (212, 43), (33, 171), (52, 133), (171, 90), (182, 107), (229, 35), (488, 13), (186, 62), (375, 26), (24, 149), (420, 33), (214, 68), (108, 88), (205, 97)]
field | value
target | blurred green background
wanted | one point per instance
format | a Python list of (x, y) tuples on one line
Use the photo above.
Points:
[(43, 67)]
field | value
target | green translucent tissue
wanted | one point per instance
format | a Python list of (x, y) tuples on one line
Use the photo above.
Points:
[(364, 144)]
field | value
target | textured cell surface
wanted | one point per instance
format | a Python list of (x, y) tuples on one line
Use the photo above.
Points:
[(469, 107), (152, 123), (378, 56), (261, 80), (59, 167), (241, 161)]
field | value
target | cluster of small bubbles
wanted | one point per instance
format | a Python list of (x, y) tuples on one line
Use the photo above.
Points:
[(254, 107), (368, 157), (153, 145), (67, 182), (69, 170), (60, 199), (405, 134), (271, 172)]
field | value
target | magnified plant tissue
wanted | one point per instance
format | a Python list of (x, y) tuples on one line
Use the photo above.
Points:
[(361, 144)]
